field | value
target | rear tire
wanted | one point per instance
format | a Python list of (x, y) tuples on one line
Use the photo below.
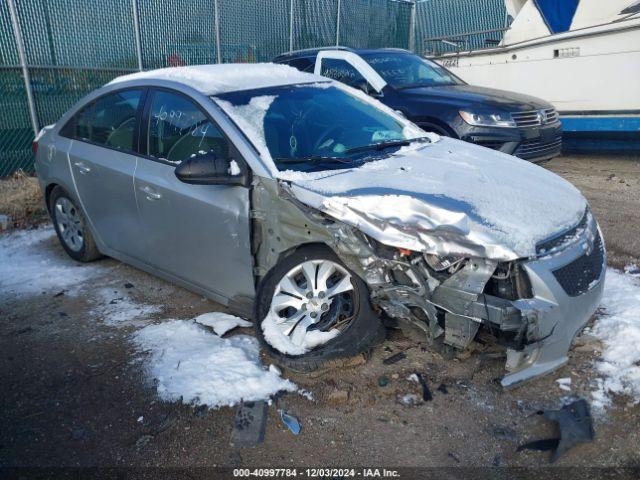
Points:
[(362, 331), (71, 227)]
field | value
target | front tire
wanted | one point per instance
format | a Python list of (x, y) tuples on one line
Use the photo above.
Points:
[(71, 227), (311, 310)]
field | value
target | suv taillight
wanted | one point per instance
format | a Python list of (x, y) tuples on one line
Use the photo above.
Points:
[(34, 147)]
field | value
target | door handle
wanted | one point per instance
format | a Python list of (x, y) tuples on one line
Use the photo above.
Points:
[(82, 168), (150, 193)]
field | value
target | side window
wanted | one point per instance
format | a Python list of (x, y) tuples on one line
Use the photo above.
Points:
[(108, 121), (179, 130), (342, 71)]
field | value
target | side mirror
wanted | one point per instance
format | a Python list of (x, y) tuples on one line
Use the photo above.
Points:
[(209, 169), (366, 88), (362, 85)]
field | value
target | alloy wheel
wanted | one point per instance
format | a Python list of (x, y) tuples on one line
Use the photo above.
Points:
[(315, 295), (70, 224)]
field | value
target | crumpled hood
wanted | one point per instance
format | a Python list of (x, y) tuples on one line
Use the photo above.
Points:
[(447, 197)]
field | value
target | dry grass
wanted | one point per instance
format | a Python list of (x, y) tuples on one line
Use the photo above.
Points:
[(21, 200)]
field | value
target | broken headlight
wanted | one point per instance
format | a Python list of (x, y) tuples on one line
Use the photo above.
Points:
[(441, 263), (509, 281)]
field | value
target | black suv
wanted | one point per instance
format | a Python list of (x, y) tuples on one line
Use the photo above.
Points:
[(438, 101)]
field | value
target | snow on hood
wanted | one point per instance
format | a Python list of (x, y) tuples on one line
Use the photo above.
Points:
[(445, 198)]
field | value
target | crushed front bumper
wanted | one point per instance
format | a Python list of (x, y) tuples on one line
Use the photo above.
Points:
[(566, 285), (567, 290)]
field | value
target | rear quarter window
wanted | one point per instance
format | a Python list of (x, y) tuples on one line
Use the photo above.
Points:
[(108, 121)]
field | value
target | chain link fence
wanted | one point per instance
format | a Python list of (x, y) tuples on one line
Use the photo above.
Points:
[(53, 52)]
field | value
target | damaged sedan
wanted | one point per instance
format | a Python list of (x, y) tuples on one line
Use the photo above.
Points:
[(318, 212)]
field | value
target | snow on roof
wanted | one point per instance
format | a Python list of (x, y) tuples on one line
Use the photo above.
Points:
[(229, 77)]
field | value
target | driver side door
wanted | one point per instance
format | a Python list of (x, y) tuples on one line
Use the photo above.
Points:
[(198, 234)]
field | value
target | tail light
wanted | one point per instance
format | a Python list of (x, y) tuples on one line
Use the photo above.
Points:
[(34, 147)]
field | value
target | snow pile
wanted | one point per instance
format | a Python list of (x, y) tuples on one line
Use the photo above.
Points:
[(619, 329), (192, 365), (221, 322), (284, 344), (564, 384), (31, 261), (231, 77), (118, 309)]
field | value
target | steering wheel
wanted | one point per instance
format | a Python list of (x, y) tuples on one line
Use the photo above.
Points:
[(329, 133)]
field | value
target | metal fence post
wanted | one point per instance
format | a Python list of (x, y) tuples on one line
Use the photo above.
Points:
[(217, 28), (23, 63), (412, 26), (136, 26), (338, 25), (291, 25)]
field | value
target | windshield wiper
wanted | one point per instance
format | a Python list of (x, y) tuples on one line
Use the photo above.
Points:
[(314, 159), (382, 145)]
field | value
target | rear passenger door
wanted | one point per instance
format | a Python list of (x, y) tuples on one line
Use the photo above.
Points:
[(103, 159), (196, 233)]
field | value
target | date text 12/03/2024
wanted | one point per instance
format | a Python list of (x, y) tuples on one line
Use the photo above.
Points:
[(317, 472)]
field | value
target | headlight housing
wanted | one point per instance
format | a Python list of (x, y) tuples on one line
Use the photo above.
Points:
[(488, 119)]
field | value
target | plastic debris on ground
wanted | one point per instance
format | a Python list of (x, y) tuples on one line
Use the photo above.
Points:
[(394, 358), (575, 426), (291, 422)]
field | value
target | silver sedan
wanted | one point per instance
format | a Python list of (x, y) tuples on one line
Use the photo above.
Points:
[(316, 210)]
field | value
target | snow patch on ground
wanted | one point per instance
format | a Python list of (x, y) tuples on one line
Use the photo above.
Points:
[(32, 262), (117, 309), (192, 365), (221, 322), (619, 329)]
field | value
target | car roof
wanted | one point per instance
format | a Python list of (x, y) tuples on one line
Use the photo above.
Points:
[(312, 52), (229, 77)]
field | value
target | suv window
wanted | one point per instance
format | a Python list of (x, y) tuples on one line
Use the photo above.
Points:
[(178, 129), (110, 121), (342, 71), (303, 64)]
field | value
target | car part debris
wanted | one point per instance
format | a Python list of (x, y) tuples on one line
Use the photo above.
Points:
[(442, 388), (575, 427), (290, 422), (540, 445), (426, 393), (408, 399), (394, 358), (383, 381), (249, 424)]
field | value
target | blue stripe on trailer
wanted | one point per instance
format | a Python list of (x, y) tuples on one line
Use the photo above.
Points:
[(630, 124)]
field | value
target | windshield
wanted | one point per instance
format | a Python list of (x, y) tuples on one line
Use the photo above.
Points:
[(402, 70), (316, 126)]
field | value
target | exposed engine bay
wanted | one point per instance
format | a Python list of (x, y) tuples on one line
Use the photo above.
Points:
[(451, 299)]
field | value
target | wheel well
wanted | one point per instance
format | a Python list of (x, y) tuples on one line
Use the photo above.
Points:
[(436, 126), (289, 251), (47, 194)]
